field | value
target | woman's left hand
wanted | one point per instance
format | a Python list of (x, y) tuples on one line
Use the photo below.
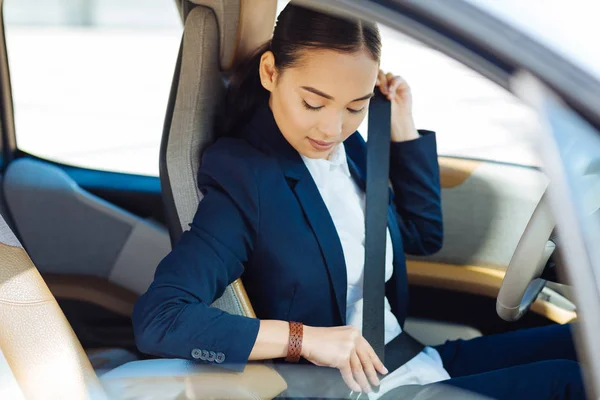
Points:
[(398, 92)]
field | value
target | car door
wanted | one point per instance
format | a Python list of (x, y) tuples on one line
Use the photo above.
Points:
[(83, 114), (569, 141)]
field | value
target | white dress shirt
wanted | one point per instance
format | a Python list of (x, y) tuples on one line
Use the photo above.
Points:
[(346, 204)]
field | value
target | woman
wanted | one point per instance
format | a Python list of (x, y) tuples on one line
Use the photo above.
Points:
[(284, 205)]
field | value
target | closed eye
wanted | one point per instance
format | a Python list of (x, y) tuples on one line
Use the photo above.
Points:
[(309, 107), (353, 111)]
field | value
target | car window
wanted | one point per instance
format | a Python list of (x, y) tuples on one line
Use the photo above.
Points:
[(91, 79), (472, 116)]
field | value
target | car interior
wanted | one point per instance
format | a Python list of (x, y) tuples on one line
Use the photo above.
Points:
[(79, 246)]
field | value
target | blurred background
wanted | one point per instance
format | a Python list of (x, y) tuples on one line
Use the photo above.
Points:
[(91, 80)]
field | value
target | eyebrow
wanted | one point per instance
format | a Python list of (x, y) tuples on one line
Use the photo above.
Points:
[(328, 97)]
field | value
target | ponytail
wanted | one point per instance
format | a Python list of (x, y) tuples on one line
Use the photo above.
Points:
[(244, 95)]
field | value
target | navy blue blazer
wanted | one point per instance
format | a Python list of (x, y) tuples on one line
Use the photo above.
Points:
[(262, 218)]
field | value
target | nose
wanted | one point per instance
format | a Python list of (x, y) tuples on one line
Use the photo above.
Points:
[(331, 125)]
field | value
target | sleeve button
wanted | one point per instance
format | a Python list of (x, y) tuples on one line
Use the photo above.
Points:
[(220, 358), (212, 356), (196, 354)]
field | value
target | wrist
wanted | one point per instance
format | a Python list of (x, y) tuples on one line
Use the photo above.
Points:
[(295, 342), (404, 130), (308, 331)]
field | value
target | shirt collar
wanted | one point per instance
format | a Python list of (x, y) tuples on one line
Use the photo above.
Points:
[(337, 158)]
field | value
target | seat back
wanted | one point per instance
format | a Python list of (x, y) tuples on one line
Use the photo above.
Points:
[(37, 342), (217, 33)]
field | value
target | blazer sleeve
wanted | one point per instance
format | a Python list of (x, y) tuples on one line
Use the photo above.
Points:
[(415, 178), (174, 318)]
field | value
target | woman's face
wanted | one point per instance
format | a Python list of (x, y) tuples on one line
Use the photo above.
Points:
[(321, 101)]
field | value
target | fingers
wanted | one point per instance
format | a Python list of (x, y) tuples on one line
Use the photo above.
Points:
[(375, 361), (348, 378), (393, 86), (359, 373), (397, 84), (377, 364), (367, 366), (388, 79), (360, 369), (389, 83)]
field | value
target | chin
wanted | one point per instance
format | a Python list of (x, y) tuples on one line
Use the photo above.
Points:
[(316, 154)]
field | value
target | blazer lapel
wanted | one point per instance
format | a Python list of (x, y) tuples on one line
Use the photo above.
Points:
[(269, 138), (331, 248)]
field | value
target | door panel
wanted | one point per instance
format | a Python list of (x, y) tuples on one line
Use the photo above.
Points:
[(486, 213), (483, 281), (486, 207), (455, 171)]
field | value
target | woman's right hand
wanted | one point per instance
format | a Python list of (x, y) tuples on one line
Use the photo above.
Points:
[(346, 349)]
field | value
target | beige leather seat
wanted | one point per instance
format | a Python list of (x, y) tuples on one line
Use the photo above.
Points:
[(41, 358), (38, 344)]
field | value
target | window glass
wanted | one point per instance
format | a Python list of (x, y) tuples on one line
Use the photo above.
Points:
[(91, 79), (472, 116)]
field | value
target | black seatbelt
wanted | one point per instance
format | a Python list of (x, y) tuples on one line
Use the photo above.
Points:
[(404, 347), (378, 166)]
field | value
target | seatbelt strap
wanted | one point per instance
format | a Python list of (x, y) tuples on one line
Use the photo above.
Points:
[(403, 348), (376, 218)]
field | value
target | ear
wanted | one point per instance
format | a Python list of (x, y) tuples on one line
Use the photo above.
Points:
[(267, 71)]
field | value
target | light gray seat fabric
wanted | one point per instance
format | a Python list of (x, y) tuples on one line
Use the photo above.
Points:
[(217, 32), (69, 231), (6, 235)]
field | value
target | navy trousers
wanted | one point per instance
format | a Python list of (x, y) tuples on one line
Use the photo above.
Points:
[(538, 363)]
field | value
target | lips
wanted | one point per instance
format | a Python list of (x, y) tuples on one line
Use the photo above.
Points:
[(320, 145)]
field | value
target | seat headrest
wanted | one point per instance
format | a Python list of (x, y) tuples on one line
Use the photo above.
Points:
[(244, 25)]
